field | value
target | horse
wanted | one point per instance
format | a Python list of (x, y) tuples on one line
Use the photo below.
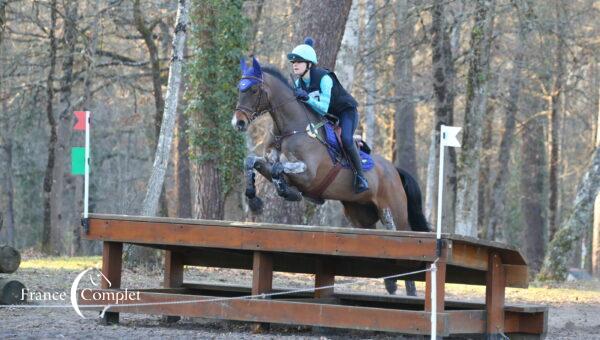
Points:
[(296, 160)]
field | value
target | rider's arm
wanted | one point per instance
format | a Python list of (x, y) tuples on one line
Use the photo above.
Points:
[(321, 103)]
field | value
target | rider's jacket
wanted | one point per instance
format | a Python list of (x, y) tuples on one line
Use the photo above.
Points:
[(326, 94)]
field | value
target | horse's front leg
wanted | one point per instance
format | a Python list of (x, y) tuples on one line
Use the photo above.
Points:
[(264, 168), (289, 193)]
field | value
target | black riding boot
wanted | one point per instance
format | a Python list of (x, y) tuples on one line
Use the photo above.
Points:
[(360, 182)]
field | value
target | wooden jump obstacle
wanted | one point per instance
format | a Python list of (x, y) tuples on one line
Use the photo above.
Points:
[(325, 252)]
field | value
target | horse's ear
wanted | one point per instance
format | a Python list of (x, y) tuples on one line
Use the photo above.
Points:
[(256, 68)]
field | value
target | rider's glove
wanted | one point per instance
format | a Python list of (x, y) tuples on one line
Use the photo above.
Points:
[(301, 94)]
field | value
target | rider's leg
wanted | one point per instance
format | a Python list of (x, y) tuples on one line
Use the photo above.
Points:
[(349, 122)]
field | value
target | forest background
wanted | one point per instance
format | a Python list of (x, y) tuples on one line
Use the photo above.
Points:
[(522, 77)]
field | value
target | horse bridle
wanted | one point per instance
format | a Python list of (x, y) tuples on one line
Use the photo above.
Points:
[(252, 113)]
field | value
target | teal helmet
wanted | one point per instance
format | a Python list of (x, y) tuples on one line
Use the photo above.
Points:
[(304, 52)]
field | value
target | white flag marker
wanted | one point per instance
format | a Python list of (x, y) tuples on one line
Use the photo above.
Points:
[(448, 137)]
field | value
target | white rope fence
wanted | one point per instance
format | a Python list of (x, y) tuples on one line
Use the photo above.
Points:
[(245, 297)]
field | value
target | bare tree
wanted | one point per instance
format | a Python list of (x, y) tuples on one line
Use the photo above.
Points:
[(557, 256), (477, 84), (554, 119), (443, 93), (405, 149), (498, 196), (370, 82), (315, 20), (47, 242)]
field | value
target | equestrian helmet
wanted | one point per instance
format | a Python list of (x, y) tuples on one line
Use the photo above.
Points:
[(304, 52)]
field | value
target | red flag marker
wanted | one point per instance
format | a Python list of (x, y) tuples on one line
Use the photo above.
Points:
[(80, 125)]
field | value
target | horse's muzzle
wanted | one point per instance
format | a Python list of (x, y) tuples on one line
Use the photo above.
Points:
[(238, 122)]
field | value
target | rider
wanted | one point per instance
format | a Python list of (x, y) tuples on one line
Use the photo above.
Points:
[(320, 88)]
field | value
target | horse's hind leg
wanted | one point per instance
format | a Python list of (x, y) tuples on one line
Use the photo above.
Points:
[(387, 219)]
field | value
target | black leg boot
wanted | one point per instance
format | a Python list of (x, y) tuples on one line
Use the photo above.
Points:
[(360, 182)]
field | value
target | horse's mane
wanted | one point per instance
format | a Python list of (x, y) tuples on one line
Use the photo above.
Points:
[(272, 70)]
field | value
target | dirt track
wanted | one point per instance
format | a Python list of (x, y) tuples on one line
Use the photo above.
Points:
[(572, 315)]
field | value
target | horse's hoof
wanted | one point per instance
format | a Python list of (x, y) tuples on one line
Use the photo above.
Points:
[(390, 286), (255, 204)]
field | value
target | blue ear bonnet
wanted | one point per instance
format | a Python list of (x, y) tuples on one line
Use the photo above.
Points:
[(250, 75)]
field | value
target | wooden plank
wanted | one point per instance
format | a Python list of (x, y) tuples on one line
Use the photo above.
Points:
[(516, 276), (526, 323), (275, 311), (510, 254), (324, 276), (291, 241), (112, 264), (494, 294), (466, 321)]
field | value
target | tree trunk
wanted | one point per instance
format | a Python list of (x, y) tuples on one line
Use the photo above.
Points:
[(596, 239), (596, 232), (11, 292), (163, 149), (47, 246), (182, 166), (554, 121), (532, 192), (3, 4), (60, 206), (345, 64), (498, 195), (443, 90), (484, 188), (405, 149), (316, 20), (477, 83), (148, 36), (370, 80), (10, 259), (331, 212), (568, 237)]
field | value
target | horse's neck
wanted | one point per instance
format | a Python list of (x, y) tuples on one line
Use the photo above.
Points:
[(288, 114)]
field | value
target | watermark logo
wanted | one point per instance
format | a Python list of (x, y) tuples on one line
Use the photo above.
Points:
[(74, 300)]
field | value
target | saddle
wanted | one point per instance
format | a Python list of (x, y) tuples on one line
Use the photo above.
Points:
[(361, 145), (333, 138)]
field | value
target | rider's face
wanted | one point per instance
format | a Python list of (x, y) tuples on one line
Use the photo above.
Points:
[(299, 67)]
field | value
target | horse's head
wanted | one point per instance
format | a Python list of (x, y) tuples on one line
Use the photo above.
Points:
[(252, 100)]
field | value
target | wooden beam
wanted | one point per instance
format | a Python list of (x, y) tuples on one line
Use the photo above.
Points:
[(276, 311), (494, 294), (262, 281), (324, 276), (173, 277), (112, 264)]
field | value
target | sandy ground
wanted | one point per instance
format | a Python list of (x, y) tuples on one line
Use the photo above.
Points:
[(574, 310)]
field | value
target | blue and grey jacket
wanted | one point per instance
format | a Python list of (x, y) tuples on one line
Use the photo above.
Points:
[(326, 94)]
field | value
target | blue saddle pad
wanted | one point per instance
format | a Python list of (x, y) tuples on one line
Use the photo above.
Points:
[(335, 148)]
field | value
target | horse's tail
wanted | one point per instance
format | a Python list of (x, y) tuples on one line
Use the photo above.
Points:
[(414, 204)]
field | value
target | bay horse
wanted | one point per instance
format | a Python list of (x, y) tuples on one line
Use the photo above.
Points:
[(295, 161)]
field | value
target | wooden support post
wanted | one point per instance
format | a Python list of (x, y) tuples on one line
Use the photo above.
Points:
[(112, 263), (494, 295), (173, 277), (324, 276), (262, 281), (441, 287)]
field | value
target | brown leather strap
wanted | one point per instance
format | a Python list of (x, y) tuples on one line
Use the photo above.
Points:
[(326, 181)]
